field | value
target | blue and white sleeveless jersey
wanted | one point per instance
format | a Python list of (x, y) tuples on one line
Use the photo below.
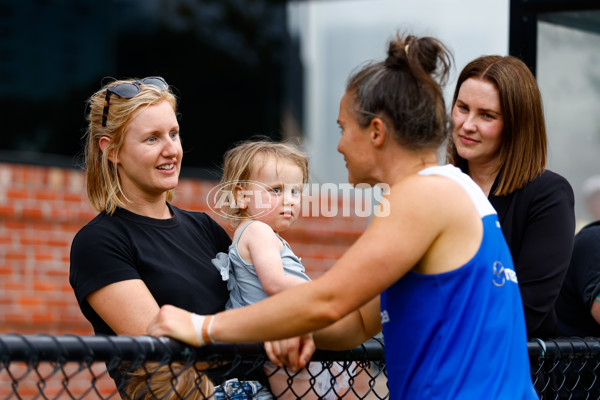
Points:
[(459, 334)]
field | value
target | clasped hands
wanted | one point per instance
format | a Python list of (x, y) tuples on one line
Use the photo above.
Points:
[(293, 353)]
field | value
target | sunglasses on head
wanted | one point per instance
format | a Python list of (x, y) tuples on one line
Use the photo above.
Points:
[(128, 90)]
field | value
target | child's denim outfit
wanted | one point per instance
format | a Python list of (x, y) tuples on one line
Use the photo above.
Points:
[(233, 389)]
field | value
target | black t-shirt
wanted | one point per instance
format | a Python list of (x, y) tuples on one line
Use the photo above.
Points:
[(581, 286), (172, 257)]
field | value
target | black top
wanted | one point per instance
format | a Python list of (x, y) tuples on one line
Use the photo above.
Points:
[(581, 286), (538, 222), (172, 257)]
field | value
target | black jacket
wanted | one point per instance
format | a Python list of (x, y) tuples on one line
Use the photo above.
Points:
[(581, 286), (538, 222)]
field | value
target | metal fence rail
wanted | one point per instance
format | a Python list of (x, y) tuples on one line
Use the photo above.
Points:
[(113, 367), (566, 368), (87, 367)]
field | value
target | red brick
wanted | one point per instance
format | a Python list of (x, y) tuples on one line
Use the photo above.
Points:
[(15, 225), (15, 318), (43, 319), (7, 210), (14, 286), (15, 256), (62, 272), (44, 286), (58, 243), (39, 256), (5, 270), (46, 195), (73, 197), (27, 241), (17, 194), (30, 301), (63, 304), (44, 228), (33, 175)]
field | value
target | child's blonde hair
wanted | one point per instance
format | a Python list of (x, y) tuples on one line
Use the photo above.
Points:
[(169, 382), (240, 162)]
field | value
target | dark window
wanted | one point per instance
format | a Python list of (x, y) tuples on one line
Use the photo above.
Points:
[(525, 14), (560, 41), (233, 65)]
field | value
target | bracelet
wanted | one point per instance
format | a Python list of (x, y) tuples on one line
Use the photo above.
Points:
[(206, 328), (203, 326)]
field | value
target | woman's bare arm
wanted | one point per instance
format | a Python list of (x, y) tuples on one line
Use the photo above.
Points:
[(433, 234), (126, 306)]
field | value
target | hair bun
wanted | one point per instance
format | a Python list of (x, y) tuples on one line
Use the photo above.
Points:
[(414, 53), (397, 54), (428, 52)]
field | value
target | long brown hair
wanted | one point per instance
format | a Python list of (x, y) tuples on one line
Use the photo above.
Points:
[(522, 154)]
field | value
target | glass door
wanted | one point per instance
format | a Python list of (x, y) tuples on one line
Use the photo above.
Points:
[(568, 73)]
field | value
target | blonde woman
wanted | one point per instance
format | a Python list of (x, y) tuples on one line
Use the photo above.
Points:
[(140, 252)]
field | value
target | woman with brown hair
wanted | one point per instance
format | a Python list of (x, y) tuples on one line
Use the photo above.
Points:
[(499, 140)]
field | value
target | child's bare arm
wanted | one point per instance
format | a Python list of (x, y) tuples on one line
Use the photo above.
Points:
[(265, 251)]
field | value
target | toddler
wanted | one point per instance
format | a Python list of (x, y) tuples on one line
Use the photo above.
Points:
[(263, 181)]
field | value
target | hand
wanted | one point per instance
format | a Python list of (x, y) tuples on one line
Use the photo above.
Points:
[(174, 322), (294, 353)]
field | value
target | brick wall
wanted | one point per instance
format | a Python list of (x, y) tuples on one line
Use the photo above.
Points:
[(41, 209)]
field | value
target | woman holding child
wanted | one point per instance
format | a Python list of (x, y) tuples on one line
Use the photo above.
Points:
[(141, 252)]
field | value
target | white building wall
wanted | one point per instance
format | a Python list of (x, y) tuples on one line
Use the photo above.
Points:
[(339, 35)]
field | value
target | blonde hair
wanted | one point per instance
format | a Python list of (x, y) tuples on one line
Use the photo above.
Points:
[(241, 161), (169, 382), (104, 189)]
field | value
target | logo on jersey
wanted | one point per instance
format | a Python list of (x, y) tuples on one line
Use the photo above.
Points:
[(385, 317), (501, 275)]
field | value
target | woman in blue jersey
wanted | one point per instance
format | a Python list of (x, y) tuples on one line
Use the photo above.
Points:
[(432, 269)]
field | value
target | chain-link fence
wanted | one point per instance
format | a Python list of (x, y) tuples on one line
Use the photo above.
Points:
[(566, 368), (113, 367), (103, 367)]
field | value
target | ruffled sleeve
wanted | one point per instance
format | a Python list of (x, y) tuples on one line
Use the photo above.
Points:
[(223, 263)]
